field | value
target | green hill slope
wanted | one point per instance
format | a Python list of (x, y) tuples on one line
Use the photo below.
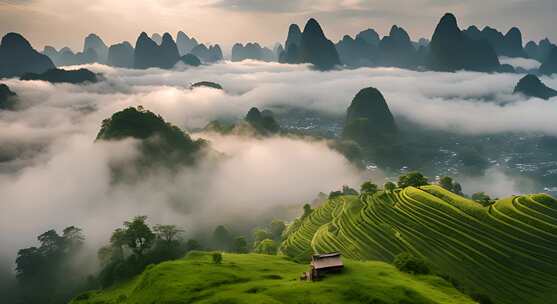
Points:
[(507, 251), (253, 278)]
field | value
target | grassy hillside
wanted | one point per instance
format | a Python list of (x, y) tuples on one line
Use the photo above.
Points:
[(253, 278), (507, 251)]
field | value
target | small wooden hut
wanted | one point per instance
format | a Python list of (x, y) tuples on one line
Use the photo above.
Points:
[(322, 264)]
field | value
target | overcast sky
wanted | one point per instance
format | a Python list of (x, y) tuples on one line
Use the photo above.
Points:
[(66, 22)]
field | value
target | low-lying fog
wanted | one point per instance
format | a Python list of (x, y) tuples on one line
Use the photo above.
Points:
[(53, 175)]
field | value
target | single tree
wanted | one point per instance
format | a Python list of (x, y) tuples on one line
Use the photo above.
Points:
[(446, 182), (260, 235), (277, 228), (335, 194), (346, 190), (240, 245), (389, 187), (138, 235), (267, 246), (482, 198), (412, 179), (167, 233), (307, 210), (369, 188)]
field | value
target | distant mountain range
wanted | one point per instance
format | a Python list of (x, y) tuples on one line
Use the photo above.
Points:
[(449, 49)]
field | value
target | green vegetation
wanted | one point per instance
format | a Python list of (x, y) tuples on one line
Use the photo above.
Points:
[(413, 179), (266, 246), (46, 273), (217, 257), (484, 199), (161, 142), (255, 278), (505, 252), (406, 262), (135, 246)]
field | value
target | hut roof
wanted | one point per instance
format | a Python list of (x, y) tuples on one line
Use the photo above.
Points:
[(323, 261)]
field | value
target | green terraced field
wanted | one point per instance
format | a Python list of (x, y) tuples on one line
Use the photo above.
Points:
[(507, 251), (259, 279)]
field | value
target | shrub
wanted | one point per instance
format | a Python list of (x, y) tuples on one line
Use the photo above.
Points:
[(406, 262), (267, 246), (217, 257)]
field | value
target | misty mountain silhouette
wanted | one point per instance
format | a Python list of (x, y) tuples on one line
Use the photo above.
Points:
[(530, 85), (452, 50), (251, 51), (149, 54), (185, 44), (397, 50), (368, 119), (540, 51), (92, 41), (18, 57), (316, 49), (190, 59), (291, 53), (121, 55), (67, 57), (7, 97), (209, 55), (549, 66), (509, 45)]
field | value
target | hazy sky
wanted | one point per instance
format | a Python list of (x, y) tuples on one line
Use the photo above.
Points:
[(67, 22)]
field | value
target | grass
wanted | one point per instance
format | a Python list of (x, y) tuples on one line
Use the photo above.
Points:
[(254, 278), (507, 251)]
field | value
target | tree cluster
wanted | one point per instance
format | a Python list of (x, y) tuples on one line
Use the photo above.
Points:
[(136, 245), (47, 274)]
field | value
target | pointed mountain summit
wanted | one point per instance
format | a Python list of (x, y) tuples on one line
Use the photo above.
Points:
[(397, 50), (92, 41), (291, 53), (185, 44), (532, 86), (368, 119), (513, 43), (316, 49), (146, 52), (18, 57), (451, 50), (168, 52)]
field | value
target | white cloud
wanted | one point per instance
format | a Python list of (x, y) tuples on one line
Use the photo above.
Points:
[(63, 177), (525, 63)]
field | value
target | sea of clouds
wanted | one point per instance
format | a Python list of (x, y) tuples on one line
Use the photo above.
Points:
[(53, 174)]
